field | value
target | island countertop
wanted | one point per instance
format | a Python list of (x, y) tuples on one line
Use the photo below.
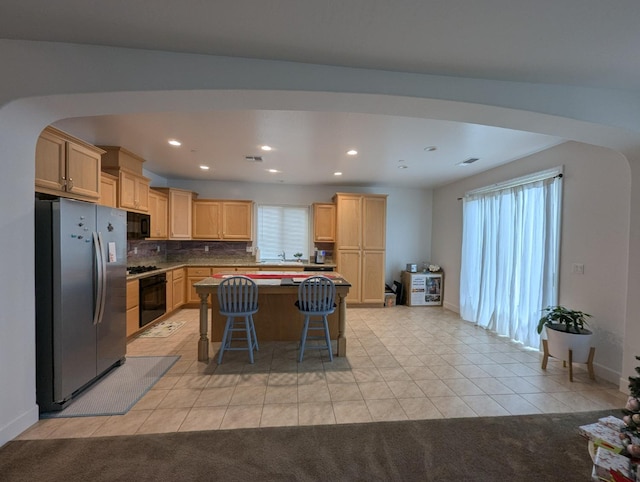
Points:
[(277, 319)]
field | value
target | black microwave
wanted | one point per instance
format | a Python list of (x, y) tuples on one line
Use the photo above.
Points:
[(138, 225)]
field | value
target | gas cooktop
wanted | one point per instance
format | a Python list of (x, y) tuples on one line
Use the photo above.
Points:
[(140, 269)]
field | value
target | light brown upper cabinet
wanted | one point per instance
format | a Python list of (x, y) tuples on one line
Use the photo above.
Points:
[(108, 190), (66, 166), (133, 187), (159, 212), (324, 222), (180, 211), (360, 244), (222, 220)]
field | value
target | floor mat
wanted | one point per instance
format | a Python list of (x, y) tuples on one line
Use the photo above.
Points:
[(119, 390), (162, 329)]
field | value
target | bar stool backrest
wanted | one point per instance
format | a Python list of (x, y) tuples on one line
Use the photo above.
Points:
[(316, 295), (238, 295)]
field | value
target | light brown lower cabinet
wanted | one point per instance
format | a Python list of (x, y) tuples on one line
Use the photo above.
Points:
[(178, 289), (133, 301)]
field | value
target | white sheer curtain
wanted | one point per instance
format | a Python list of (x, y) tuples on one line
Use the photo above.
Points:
[(510, 253)]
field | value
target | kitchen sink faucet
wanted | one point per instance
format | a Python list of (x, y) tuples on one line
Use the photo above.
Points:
[(282, 255)]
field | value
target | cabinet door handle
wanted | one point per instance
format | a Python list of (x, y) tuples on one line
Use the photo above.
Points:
[(70, 183)]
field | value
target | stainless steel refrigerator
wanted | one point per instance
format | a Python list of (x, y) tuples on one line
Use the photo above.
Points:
[(80, 296)]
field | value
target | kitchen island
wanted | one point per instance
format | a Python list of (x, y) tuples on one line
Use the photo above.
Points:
[(277, 319)]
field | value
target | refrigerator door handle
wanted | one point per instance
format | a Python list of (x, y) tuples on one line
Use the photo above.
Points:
[(103, 258), (97, 310)]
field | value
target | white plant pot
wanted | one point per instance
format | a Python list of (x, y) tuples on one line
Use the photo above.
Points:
[(560, 342)]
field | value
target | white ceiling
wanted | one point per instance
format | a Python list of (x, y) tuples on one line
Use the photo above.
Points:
[(576, 42)]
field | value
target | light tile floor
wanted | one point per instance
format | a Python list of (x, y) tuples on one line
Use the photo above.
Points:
[(402, 363)]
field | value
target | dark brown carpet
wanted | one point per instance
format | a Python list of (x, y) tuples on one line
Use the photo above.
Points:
[(520, 448)]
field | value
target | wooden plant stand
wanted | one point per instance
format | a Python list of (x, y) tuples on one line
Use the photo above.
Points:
[(592, 354)]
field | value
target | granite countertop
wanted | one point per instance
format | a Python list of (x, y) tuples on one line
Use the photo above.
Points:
[(164, 267)]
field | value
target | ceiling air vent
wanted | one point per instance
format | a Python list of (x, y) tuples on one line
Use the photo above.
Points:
[(471, 160), (253, 158)]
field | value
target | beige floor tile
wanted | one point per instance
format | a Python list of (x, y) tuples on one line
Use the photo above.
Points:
[(446, 371), (384, 361), (445, 368), (355, 411), (203, 418), (452, 407), (484, 405), (223, 380), (386, 410), (166, 382), (341, 392), (78, 427), (180, 398), (515, 404), (316, 392), (342, 376), (316, 413), (405, 389), (127, 424), (283, 379), (462, 386), (435, 388), (192, 381), (150, 400), (248, 395), (419, 408), (375, 390), (214, 397), (242, 416), (491, 386), (546, 404), (253, 379), (518, 385), (279, 415), (394, 374), (367, 375), (164, 420), (281, 394)]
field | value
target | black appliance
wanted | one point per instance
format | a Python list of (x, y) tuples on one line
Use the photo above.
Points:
[(140, 269), (138, 225), (153, 298)]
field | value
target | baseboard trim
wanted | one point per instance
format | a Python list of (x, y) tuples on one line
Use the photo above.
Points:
[(19, 425), (451, 307)]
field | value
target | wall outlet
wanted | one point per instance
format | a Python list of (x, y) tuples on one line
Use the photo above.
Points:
[(206, 249), (577, 268), (249, 249), (157, 249)]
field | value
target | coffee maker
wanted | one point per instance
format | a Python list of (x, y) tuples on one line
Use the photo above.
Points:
[(318, 257)]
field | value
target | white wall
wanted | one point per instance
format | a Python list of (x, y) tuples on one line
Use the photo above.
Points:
[(43, 82), (408, 212), (595, 232)]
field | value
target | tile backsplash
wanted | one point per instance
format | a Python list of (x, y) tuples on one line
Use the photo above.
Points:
[(144, 252)]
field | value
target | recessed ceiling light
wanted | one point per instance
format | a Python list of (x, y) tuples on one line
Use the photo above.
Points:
[(337, 174), (352, 152), (402, 166), (266, 148), (272, 171), (175, 143), (430, 148), (204, 168), (471, 160)]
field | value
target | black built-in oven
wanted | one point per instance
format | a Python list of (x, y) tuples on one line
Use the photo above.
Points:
[(153, 298)]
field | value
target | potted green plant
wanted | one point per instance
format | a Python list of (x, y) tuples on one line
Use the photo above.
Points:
[(298, 256), (566, 336), (563, 319)]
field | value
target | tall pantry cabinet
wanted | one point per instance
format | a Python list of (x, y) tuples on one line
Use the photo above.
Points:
[(360, 245)]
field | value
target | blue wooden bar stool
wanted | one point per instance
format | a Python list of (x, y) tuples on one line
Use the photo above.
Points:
[(316, 297), (238, 300)]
